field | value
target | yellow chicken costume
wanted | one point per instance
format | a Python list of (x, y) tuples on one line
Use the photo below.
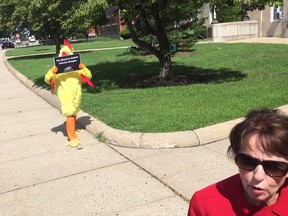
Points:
[(68, 88)]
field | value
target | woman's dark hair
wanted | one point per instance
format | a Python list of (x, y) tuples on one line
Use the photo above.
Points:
[(271, 126)]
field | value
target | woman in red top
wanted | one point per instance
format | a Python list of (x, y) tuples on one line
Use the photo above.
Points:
[(259, 147)]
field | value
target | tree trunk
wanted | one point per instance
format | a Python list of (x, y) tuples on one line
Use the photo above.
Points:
[(57, 41), (165, 66), (162, 53), (58, 47)]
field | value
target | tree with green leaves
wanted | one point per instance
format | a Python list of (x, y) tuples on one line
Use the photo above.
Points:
[(51, 19), (156, 24), (97, 13), (57, 19), (13, 16), (237, 10), (228, 11), (7, 8)]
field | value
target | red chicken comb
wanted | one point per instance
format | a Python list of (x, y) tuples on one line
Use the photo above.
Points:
[(66, 43)]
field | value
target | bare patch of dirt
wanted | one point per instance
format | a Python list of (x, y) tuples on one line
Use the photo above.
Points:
[(155, 81)]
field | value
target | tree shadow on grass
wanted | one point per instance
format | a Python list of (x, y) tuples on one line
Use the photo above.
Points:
[(137, 73), (43, 49), (184, 76)]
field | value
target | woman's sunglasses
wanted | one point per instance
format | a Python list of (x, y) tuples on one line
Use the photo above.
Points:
[(271, 168)]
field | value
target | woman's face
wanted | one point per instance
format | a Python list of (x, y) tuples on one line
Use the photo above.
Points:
[(259, 188)]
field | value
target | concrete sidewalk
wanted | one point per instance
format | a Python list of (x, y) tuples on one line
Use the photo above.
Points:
[(274, 40)]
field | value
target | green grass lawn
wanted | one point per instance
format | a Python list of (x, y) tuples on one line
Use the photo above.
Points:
[(90, 44), (230, 79)]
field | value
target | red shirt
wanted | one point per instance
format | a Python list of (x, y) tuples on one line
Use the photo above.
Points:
[(225, 198)]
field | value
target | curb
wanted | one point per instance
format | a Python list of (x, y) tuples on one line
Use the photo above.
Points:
[(123, 138)]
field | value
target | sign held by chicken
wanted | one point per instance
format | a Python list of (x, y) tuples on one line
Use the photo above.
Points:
[(67, 63)]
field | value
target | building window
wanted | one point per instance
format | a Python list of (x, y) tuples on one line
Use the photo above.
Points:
[(277, 13)]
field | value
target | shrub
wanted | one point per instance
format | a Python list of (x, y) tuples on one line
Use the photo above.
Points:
[(125, 34), (138, 51), (200, 33), (230, 12)]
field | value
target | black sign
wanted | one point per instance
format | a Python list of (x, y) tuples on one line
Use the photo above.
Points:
[(67, 63)]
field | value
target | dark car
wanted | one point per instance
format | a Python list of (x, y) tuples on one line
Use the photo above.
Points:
[(7, 44)]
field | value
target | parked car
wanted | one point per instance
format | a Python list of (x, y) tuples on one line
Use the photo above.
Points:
[(32, 39), (18, 41), (7, 44)]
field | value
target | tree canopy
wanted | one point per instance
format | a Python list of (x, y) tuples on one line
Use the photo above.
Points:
[(97, 13), (55, 20), (237, 10)]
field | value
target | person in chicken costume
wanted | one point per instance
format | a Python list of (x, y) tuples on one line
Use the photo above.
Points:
[(68, 88)]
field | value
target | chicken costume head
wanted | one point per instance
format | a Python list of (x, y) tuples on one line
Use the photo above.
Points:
[(67, 49)]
